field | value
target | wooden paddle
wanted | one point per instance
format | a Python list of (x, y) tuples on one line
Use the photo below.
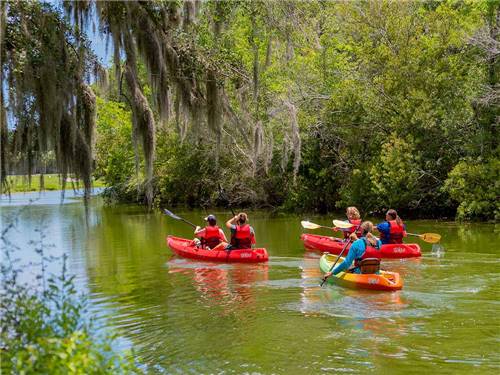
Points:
[(174, 216), (337, 223), (427, 237), (334, 264)]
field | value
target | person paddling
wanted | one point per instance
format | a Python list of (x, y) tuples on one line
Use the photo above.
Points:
[(354, 218), (357, 251), (211, 235), (242, 234), (392, 230)]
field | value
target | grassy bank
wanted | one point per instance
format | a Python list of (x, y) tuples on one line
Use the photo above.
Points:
[(21, 183)]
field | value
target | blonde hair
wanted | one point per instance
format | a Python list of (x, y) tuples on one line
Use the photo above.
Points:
[(367, 228), (353, 213)]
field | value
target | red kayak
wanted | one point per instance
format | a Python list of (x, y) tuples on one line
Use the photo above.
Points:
[(186, 248), (335, 245)]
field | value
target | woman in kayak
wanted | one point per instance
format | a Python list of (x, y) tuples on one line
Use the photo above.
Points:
[(242, 234), (211, 235), (353, 217), (357, 250), (392, 230)]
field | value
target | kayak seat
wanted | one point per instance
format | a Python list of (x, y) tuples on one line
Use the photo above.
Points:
[(369, 265)]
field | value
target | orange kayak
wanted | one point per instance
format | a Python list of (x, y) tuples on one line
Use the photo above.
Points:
[(388, 281)]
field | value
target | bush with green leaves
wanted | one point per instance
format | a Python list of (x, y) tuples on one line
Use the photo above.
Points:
[(45, 328), (395, 173), (114, 148), (475, 185)]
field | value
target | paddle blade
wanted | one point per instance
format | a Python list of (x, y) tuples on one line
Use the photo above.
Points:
[(171, 214), (308, 225), (430, 237), (342, 224)]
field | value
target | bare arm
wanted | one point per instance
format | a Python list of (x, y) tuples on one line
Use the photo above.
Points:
[(231, 222), (223, 235)]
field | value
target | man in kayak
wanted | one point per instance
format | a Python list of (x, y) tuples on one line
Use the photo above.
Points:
[(357, 250), (354, 218), (211, 235), (392, 230), (242, 234)]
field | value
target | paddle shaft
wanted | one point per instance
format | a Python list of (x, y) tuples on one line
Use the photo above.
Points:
[(336, 261), (173, 216), (342, 252)]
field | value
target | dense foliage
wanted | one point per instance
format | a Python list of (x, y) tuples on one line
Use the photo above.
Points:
[(45, 328), (300, 105), (45, 101)]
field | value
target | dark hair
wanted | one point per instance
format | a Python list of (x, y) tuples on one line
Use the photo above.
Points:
[(211, 219), (242, 218), (394, 216)]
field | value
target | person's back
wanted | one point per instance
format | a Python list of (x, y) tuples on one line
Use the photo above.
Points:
[(211, 235), (242, 234), (393, 229), (357, 251)]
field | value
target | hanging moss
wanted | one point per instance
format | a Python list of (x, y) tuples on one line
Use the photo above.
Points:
[(46, 62)]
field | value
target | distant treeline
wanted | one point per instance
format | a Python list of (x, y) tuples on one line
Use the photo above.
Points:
[(297, 105)]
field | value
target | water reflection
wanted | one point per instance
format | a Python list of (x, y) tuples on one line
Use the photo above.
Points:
[(343, 302), (183, 316), (228, 285)]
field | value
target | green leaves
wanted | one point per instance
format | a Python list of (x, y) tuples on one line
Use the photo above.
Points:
[(395, 173), (475, 185), (46, 329)]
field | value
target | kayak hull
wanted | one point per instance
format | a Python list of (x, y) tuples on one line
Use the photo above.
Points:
[(334, 245), (186, 249), (385, 281)]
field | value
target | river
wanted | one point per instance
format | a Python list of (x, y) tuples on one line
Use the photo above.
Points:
[(184, 316)]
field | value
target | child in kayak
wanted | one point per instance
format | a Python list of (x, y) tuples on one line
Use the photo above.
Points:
[(211, 235), (353, 217), (242, 234), (357, 250), (392, 230)]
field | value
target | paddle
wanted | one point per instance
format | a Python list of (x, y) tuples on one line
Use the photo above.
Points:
[(337, 223), (427, 237), (334, 264), (174, 216)]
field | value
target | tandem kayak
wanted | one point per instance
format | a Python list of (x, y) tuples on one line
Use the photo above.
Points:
[(386, 280), (335, 245), (186, 248)]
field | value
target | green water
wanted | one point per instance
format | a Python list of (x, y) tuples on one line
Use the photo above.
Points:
[(183, 316)]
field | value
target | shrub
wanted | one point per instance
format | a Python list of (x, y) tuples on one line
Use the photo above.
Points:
[(45, 329), (475, 185)]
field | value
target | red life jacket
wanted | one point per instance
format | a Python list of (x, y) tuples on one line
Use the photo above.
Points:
[(212, 236), (397, 232), (356, 228), (242, 238), (364, 256)]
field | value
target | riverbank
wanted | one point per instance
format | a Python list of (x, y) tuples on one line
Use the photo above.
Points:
[(21, 183)]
